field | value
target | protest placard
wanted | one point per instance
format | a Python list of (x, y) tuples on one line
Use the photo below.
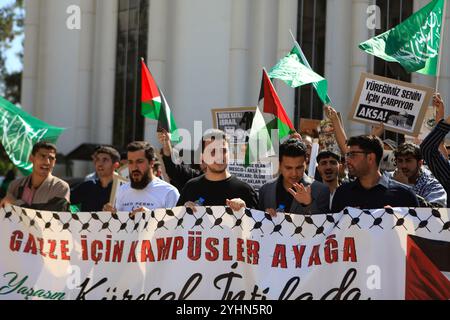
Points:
[(236, 123), (401, 106)]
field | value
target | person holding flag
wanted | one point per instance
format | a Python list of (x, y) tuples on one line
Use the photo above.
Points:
[(40, 190), (414, 43), (155, 106)]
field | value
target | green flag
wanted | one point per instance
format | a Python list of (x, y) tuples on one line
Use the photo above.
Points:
[(414, 43), (293, 72), (321, 85), (20, 131)]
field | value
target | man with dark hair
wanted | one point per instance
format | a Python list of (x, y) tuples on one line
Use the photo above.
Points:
[(293, 191), (92, 195), (328, 166), (410, 171), (438, 164), (217, 187), (144, 191), (40, 190), (371, 189)]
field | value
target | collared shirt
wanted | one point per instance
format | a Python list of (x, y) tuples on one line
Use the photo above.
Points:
[(28, 193), (386, 192)]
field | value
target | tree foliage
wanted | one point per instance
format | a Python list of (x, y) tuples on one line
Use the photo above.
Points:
[(11, 26)]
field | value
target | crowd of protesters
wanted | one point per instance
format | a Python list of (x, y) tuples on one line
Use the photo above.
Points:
[(368, 174)]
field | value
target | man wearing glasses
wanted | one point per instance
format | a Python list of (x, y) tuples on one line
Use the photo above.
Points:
[(371, 189)]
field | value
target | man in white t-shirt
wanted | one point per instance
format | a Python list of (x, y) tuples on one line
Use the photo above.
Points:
[(144, 191)]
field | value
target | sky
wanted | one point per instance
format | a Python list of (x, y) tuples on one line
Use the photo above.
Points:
[(13, 63)]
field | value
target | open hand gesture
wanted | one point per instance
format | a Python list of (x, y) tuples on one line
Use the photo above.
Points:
[(301, 194)]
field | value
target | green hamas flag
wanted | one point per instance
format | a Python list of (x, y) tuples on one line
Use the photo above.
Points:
[(414, 43), (20, 131), (293, 72)]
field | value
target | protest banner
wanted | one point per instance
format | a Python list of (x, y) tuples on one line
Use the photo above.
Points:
[(217, 254), (401, 106), (236, 123), (309, 127)]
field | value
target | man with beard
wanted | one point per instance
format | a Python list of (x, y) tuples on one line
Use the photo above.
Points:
[(371, 189), (293, 190), (217, 187), (328, 167), (410, 171), (40, 190), (92, 195), (144, 191)]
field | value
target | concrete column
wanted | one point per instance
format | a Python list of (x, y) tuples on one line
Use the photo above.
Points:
[(338, 55), (263, 45), (104, 71), (85, 72), (198, 60), (359, 62), (287, 20), (239, 54), (57, 69), (31, 53), (159, 24)]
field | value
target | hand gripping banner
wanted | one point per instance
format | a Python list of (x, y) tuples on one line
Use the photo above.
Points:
[(215, 253)]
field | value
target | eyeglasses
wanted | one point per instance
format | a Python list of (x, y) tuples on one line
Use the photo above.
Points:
[(352, 154)]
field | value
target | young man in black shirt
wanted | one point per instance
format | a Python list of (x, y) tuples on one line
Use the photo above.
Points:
[(92, 195), (371, 189), (217, 187)]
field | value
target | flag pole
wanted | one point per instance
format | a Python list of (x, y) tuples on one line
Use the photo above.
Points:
[(441, 48), (305, 61), (300, 50)]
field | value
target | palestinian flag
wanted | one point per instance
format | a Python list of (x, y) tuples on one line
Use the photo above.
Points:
[(155, 106), (270, 124), (427, 269)]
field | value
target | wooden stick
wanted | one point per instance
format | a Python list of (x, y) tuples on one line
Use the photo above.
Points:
[(441, 48)]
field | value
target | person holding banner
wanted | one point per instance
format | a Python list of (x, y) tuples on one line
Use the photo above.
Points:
[(40, 190), (92, 195), (144, 191), (217, 187), (293, 191), (438, 164), (371, 189), (410, 171)]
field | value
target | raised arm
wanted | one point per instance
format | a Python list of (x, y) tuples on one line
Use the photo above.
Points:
[(438, 164), (341, 137)]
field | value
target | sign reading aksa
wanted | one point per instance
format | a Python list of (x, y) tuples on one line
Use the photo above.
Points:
[(401, 106)]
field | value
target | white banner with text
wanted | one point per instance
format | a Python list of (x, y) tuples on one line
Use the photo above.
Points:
[(217, 254)]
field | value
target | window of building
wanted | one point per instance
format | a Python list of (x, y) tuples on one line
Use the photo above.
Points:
[(311, 22), (132, 37)]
